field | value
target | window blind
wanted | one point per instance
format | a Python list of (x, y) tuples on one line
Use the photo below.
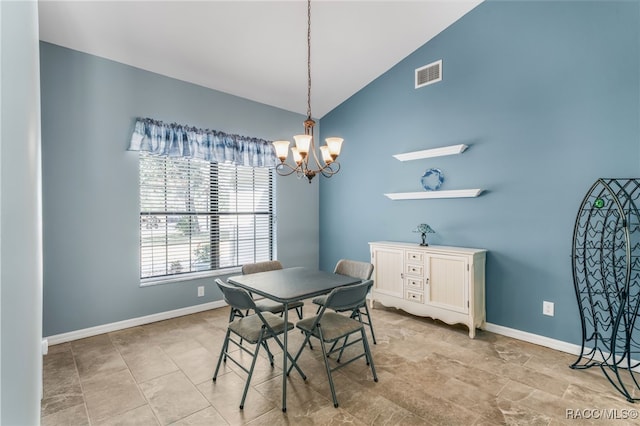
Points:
[(201, 216)]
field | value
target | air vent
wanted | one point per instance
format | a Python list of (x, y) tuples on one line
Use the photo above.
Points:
[(429, 74)]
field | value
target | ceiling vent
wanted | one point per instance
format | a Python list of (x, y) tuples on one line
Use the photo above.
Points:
[(429, 74)]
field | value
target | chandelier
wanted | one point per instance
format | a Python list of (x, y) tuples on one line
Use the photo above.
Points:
[(304, 154)]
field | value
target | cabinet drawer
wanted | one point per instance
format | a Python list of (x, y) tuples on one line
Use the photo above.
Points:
[(415, 283), (414, 296), (415, 256), (414, 269)]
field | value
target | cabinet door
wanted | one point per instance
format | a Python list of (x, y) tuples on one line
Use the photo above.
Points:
[(448, 280), (387, 271)]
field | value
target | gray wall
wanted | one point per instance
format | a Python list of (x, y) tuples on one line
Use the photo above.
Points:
[(546, 94), (20, 217), (90, 185)]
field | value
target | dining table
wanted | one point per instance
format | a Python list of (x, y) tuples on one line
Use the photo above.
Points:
[(290, 285)]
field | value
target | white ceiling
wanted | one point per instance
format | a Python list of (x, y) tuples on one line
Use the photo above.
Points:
[(254, 49)]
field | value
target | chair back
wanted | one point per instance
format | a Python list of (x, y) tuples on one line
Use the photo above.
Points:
[(354, 268), (236, 297), (254, 268), (349, 296)]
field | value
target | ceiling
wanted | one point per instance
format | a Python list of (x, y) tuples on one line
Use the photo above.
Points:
[(254, 49)]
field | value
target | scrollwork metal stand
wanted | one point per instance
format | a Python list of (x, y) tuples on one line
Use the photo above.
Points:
[(606, 277)]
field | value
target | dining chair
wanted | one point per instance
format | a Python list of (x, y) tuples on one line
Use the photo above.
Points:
[(330, 327), (256, 329), (356, 269), (266, 305)]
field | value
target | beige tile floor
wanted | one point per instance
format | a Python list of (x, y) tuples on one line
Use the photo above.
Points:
[(429, 374)]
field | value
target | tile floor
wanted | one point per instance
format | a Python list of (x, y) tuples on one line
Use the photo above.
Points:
[(429, 374)]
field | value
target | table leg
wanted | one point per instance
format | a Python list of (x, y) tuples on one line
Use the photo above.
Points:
[(284, 359)]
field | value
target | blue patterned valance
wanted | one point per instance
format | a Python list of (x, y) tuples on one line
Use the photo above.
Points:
[(176, 140)]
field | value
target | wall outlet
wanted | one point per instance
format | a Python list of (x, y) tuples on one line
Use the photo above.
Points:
[(201, 291), (547, 308)]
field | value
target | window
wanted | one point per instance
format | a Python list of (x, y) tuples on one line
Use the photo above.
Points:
[(200, 216)]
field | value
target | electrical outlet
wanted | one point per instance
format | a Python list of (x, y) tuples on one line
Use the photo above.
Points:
[(547, 308), (201, 291)]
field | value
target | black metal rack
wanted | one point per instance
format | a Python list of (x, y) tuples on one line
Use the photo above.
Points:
[(606, 277)]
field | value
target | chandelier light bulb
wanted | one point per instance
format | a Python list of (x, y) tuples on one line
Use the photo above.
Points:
[(282, 149), (302, 143), (296, 155), (334, 145), (326, 156)]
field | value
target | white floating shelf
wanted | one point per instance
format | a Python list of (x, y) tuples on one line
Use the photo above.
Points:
[(457, 193), (435, 152)]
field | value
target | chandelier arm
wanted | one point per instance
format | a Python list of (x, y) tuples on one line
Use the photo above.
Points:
[(329, 170), (319, 166), (280, 169)]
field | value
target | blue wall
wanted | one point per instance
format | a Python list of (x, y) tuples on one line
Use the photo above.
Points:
[(546, 95), (90, 185)]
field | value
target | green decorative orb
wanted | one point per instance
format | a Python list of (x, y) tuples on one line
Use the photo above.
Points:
[(599, 203)]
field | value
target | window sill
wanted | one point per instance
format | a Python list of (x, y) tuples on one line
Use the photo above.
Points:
[(148, 282)]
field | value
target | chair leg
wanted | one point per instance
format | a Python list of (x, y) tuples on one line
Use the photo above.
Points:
[(367, 351), (269, 354), (373, 335), (326, 364), (253, 364), (294, 360), (299, 312), (344, 345), (328, 368), (300, 316), (223, 354)]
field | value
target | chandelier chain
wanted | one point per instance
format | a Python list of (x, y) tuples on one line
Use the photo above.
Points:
[(309, 58)]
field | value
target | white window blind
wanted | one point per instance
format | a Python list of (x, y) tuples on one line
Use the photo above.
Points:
[(200, 216)]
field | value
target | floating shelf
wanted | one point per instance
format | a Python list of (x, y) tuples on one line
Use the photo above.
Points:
[(457, 193), (435, 152)]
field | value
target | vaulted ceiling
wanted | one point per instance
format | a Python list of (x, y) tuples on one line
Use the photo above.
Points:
[(254, 49)]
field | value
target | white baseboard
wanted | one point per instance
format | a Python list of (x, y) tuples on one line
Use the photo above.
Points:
[(133, 322), (551, 343), (534, 338)]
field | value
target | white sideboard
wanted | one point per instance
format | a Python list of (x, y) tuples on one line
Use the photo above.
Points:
[(444, 283)]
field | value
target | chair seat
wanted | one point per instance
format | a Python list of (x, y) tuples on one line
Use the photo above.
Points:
[(266, 305), (249, 327), (334, 326), (320, 300)]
